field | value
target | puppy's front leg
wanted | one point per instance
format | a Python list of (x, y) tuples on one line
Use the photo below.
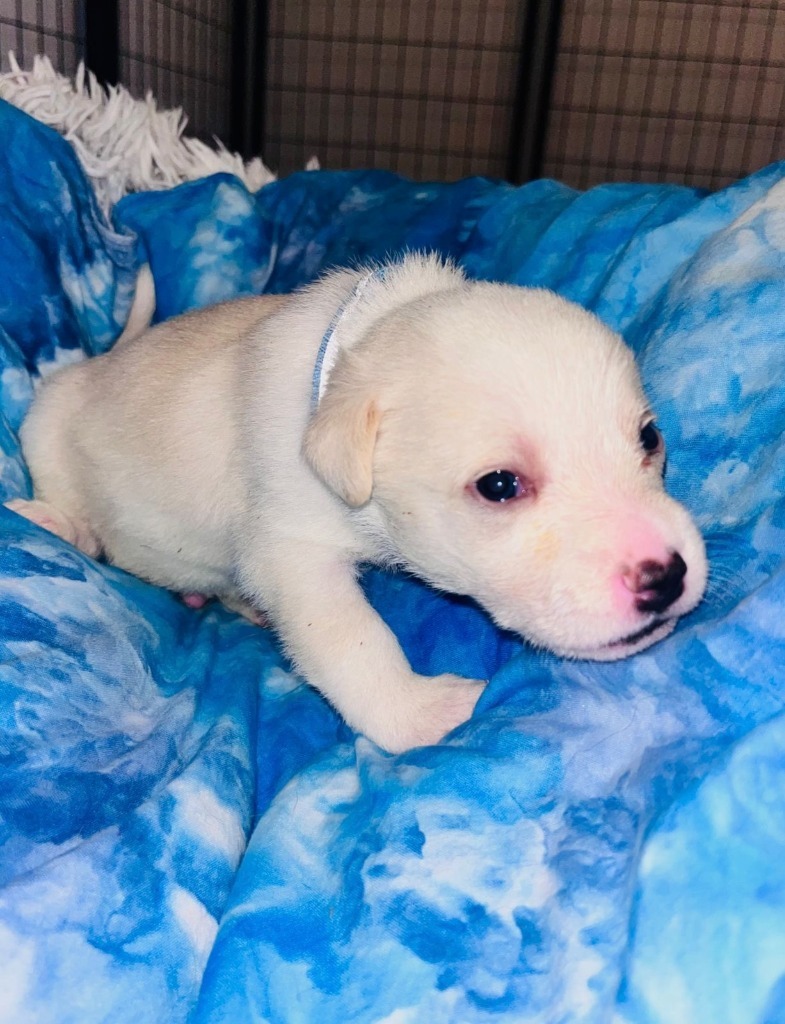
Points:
[(347, 652)]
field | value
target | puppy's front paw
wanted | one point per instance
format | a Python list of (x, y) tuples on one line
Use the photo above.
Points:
[(433, 707)]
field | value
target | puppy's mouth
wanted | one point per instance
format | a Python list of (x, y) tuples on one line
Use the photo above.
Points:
[(632, 643), (640, 634)]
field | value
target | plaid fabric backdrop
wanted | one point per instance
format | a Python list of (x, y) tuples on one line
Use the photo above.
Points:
[(681, 90)]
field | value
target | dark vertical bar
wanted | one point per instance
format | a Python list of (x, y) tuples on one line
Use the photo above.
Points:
[(248, 77), (101, 40), (537, 60)]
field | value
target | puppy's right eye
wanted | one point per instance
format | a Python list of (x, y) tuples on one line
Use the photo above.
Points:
[(651, 438), (500, 485)]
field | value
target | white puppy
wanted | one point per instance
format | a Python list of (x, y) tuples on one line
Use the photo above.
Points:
[(493, 440)]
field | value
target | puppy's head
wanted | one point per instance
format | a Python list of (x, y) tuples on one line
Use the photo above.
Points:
[(503, 438)]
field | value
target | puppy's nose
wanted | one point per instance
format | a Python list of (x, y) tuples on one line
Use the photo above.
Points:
[(655, 585)]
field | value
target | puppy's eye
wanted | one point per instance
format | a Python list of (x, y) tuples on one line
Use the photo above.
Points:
[(500, 485), (651, 438)]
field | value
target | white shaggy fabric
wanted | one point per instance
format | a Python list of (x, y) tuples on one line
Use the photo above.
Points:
[(124, 144)]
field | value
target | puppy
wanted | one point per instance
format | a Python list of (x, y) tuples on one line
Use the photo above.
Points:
[(494, 440)]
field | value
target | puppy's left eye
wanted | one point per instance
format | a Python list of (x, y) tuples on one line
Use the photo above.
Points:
[(500, 485), (651, 438)]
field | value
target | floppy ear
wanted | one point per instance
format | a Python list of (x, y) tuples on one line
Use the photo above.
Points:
[(340, 441)]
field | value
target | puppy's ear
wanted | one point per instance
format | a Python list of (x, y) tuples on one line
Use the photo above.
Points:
[(340, 441)]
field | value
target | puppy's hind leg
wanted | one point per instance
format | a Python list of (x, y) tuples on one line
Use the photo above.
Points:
[(53, 519), (238, 604)]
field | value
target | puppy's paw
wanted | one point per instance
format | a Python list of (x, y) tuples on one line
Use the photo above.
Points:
[(246, 609), (434, 706), (52, 519)]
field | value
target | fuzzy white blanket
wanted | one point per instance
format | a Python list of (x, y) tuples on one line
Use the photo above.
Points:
[(124, 144)]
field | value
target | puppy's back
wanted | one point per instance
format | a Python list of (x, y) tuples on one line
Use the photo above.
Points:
[(141, 442)]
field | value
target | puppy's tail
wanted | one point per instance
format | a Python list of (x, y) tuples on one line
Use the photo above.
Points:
[(142, 308)]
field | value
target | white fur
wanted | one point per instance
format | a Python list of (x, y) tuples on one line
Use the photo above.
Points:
[(192, 457)]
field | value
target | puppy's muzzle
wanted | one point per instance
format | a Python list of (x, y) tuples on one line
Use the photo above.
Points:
[(656, 585)]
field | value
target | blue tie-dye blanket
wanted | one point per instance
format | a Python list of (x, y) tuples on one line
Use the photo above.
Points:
[(187, 832)]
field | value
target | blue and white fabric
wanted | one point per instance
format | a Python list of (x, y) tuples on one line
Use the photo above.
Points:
[(188, 832)]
